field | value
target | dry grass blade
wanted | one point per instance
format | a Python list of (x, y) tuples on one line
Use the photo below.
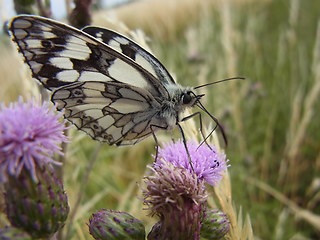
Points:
[(228, 33), (238, 229)]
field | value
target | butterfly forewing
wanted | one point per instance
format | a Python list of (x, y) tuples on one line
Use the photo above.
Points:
[(58, 54), (132, 50)]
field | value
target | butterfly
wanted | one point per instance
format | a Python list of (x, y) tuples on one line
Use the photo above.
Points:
[(107, 85)]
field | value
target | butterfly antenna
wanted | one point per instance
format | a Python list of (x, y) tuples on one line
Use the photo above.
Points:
[(219, 81)]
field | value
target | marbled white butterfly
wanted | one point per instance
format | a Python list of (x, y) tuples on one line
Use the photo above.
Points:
[(108, 86)]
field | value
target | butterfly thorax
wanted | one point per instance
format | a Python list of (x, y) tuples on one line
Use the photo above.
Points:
[(180, 98)]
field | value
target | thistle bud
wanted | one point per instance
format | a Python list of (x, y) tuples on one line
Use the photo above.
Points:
[(40, 208), (107, 224), (215, 224)]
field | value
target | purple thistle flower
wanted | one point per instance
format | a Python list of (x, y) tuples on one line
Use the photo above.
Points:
[(208, 164), (175, 191), (30, 134), (178, 198)]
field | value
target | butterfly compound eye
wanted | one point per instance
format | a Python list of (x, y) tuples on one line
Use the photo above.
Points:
[(186, 99)]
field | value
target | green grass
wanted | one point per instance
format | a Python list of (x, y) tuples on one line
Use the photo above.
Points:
[(271, 119)]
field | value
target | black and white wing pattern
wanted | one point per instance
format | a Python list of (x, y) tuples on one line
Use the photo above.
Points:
[(109, 111), (109, 86), (131, 50), (59, 54)]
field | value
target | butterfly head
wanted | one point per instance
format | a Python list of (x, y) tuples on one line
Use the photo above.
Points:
[(182, 97), (189, 98)]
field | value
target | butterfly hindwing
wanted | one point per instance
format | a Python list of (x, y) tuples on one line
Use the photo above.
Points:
[(109, 112), (58, 55)]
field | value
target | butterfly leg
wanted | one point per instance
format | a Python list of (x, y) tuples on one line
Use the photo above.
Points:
[(185, 145), (155, 137), (200, 105), (201, 128)]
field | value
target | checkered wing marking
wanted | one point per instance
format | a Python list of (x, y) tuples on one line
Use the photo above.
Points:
[(109, 112), (131, 50), (58, 54)]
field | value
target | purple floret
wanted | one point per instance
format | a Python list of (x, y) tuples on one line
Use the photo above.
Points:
[(30, 135), (208, 164)]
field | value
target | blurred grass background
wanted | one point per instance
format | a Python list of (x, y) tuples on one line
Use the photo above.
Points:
[(272, 118)]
